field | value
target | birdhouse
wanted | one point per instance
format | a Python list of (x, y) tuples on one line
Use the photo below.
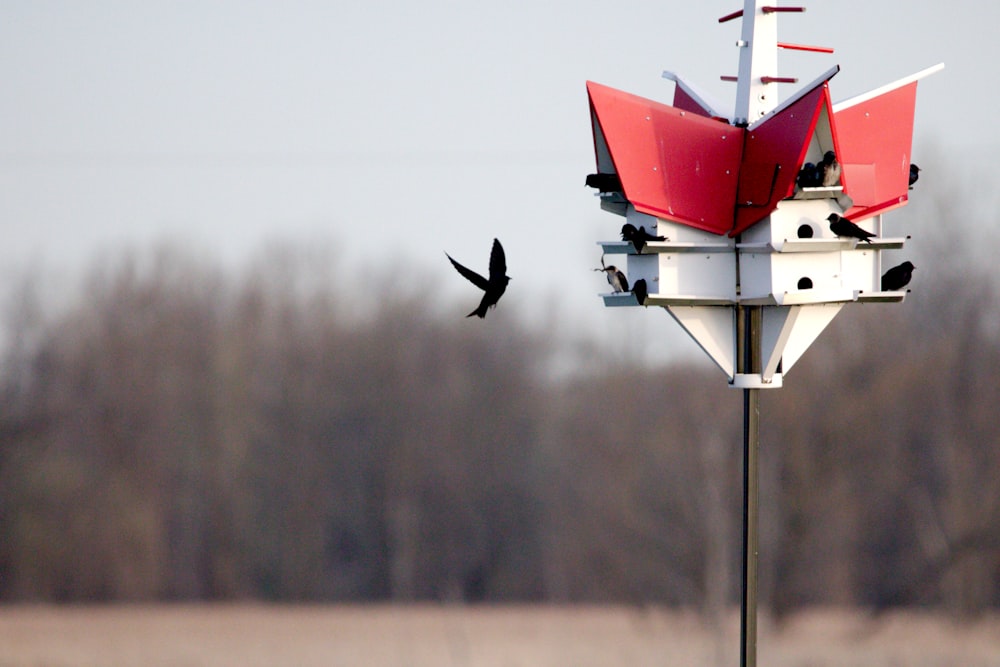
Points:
[(736, 211)]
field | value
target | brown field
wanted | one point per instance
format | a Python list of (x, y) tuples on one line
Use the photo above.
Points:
[(444, 636)]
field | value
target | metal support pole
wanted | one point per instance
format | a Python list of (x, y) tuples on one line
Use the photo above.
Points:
[(748, 323)]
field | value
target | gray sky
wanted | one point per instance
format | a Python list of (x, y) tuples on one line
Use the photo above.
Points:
[(395, 131)]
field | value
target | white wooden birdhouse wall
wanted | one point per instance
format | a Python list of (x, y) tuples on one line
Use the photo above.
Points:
[(792, 257)]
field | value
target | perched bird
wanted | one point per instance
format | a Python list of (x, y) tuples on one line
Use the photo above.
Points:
[(604, 182), (914, 174), (617, 279), (809, 176), (640, 291), (843, 227), (897, 277), (639, 237), (830, 169), (494, 286)]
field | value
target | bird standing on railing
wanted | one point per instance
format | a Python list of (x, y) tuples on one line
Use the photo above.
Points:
[(830, 169), (897, 277), (617, 279), (639, 237), (843, 227)]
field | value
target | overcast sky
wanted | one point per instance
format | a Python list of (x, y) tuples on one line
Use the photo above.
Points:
[(395, 130)]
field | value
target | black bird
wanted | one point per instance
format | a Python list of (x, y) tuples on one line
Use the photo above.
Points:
[(809, 176), (617, 279), (639, 237), (914, 174), (897, 277), (494, 286), (830, 169), (640, 291), (843, 227), (605, 182)]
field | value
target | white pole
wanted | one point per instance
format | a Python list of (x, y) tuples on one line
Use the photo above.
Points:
[(758, 58)]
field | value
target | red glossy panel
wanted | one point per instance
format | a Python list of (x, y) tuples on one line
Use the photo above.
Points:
[(773, 153), (874, 139), (672, 163)]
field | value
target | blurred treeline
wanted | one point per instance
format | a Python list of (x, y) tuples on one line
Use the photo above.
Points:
[(180, 432)]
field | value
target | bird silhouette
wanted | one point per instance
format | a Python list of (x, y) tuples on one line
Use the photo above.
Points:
[(494, 286), (640, 291), (830, 169), (638, 236), (604, 182), (809, 176), (914, 174), (897, 277), (843, 227), (617, 279)]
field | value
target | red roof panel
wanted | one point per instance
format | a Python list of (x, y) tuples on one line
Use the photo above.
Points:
[(773, 154), (874, 139), (672, 163)]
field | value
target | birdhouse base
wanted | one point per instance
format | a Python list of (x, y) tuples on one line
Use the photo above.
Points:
[(755, 381)]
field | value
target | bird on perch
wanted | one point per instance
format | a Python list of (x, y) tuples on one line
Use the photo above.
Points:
[(641, 291), (639, 237), (617, 279), (897, 277), (830, 169), (841, 226)]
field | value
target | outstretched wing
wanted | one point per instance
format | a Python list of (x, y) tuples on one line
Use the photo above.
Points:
[(469, 274), (498, 262)]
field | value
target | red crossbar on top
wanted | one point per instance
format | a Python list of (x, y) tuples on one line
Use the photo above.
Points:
[(764, 79), (804, 47), (767, 10)]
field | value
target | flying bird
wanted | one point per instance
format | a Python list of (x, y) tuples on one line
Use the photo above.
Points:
[(617, 279), (897, 277), (640, 291), (914, 174), (638, 236), (830, 169), (494, 286), (843, 227)]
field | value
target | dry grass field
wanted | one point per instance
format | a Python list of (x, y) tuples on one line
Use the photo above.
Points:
[(445, 636)]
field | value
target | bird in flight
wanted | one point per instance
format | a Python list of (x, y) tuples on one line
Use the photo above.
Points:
[(494, 286), (914, 174), (843, 227), (897, 277), (639, 237)]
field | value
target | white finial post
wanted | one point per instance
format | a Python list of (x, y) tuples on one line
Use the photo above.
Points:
[(756, 95)]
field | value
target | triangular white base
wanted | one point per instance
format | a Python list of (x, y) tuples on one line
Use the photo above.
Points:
[(714, 329), (788, 331)]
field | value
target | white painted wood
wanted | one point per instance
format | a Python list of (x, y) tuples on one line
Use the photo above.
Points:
[(707, 102), (881, 90), (712, 328), (758, 57)]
